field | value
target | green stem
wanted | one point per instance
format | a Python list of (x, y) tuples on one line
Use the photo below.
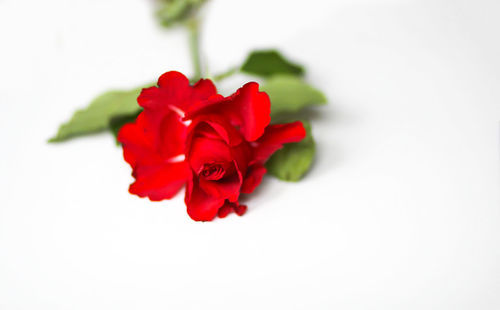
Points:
[(194, 45), (223, 75)]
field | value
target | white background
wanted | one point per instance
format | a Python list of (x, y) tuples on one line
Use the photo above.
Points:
[(400, 211)]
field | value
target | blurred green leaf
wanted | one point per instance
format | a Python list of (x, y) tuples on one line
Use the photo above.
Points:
[(266, 63), (290, 94), (173, 12), (292, 161), (96, 117)]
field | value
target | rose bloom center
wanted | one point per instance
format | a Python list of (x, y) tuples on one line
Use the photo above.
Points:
[(212, 171)]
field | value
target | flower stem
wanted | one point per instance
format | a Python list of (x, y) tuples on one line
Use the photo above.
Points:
[(194, 45), (223, 75)]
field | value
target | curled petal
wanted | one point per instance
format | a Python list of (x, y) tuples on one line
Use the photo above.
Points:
[(242, 155), (200, 205), (205, 151), (253, 178), (219, 127), (226, 188), (248, 108), (252, 112), (274, 138)]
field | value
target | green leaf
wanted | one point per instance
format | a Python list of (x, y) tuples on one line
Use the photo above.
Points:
[(292, 161), (173, 12), (266, 63), (290, 94), (116, 123), (96, 117)]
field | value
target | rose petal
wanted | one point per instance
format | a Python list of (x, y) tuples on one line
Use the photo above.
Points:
[(248, 109), (204, 150), (274, 138), (171, 136), (173, 81), (152, 140), (240, 209), (159, 182), (174, 92), (225, 210), (252, 110), (200, 206), (253, 178), (219, 125), (204, 89), (229, 207), (242, 155), (226, 188), (137, 146)]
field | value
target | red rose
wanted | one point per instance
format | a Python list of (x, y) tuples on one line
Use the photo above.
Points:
[(225, 145)]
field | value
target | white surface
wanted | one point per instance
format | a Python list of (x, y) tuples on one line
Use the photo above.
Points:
[(401, 210)]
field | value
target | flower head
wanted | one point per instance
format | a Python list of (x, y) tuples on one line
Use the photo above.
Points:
[(225, 142)]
